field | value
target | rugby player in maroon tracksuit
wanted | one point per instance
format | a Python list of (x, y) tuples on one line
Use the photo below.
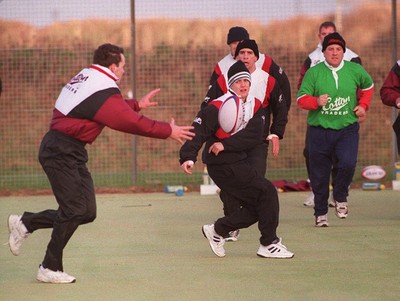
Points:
[(87, 104)]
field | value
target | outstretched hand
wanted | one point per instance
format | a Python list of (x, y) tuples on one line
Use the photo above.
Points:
[(146, 102), (179, 133)]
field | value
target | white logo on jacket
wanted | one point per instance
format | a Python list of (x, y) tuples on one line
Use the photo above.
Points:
[(197, 120), (81, 86)]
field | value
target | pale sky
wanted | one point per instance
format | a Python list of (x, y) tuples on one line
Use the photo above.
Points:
[(44, 12)]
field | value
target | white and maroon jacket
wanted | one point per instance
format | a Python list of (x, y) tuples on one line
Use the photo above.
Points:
[(264, 62), (92, 100)]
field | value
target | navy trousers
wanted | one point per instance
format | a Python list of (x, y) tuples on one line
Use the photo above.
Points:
[(306, 155), (323, 145)]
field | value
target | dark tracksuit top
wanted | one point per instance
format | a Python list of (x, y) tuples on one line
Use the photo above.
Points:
[(265, 88), (208, 131)]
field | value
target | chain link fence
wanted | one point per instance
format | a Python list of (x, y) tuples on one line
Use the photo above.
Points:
[(177, 44)]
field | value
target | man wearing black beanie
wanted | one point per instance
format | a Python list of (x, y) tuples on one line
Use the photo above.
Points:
[(334, 38), (251, 44), (235, 35)]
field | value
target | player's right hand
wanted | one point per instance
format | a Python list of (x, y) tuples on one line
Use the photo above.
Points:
[(322, 100), (216, 148), (179, 133)]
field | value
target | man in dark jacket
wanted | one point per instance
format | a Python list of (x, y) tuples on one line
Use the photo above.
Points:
[(230, 169)]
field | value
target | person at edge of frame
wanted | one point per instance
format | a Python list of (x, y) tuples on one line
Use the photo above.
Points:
[(390, 96)]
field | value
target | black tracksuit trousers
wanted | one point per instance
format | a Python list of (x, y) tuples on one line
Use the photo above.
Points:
[(257, 196), (257, 158), (63, 159)]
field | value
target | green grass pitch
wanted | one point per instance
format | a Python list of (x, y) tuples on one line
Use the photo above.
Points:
[(150, 247)]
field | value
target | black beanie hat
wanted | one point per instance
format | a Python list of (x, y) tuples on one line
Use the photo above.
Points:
[(333, 38), (236, 34), (251, 44), (238, 71)]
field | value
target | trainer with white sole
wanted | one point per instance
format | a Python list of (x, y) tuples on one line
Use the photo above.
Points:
[(274, 250), (56, 277), (17, 233), (216, 241), (225, 155)]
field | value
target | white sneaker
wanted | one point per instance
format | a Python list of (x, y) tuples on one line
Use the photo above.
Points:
[(309, 202), (341, 209), (277, 250), (331, 201), (49, 276), (321, 221), (216, 241), (233, 236), (18, 233)]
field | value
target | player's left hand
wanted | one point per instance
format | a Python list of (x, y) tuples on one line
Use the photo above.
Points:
[(361, 119), (359, 111), (146, 102)]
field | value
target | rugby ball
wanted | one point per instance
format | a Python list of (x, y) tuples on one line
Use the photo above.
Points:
[(373, 172), (230, 117)]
